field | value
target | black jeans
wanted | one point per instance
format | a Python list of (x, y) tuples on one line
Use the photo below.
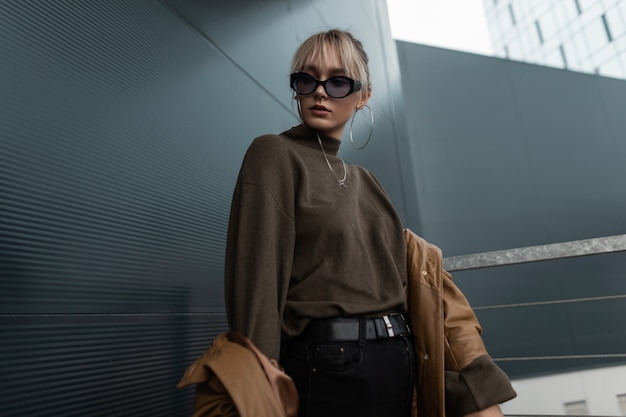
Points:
[(362, 378)]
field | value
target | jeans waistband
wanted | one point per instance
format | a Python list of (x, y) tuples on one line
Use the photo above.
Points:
[(344, 329)]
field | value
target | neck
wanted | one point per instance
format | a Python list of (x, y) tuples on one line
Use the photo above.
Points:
[(335, 134)]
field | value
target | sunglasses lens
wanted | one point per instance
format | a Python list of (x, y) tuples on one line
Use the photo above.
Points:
[(338, 87), (304, 84)]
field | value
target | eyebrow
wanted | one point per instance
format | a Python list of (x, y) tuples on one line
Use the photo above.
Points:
[(331, 71)]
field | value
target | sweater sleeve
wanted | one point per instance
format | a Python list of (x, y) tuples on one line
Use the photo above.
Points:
[(259, 252)]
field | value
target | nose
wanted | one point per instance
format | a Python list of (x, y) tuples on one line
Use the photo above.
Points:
[(320, 91)]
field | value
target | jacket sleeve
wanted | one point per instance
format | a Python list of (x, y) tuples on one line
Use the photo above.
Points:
[(473, 381)]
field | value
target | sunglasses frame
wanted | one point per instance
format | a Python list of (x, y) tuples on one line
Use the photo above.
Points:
[(355, 85)]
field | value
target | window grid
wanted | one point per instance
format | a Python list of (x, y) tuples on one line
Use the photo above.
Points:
[(577, 3), (606, 28), (581, 35), (512, 15), (539, 31), (563, 56)]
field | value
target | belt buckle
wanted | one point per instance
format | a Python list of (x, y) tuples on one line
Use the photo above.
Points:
[(389, 326)]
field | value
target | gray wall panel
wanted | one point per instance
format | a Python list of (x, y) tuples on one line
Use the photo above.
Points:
[(501, 144), (511, 155)]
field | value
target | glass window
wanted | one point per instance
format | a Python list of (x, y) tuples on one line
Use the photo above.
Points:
[(622, 8), (592, 14), (579, 42), (505, 22), (538, 6), (553, 59), (512, 15), (530, 40), (621, 402), (549, 27), (527, 38), (607, 29), (612, 68), (576, 408), (586, 4), (602, 55), (563, 56), (515, 50), (579, 9), (567, 9), (586, 65), (596, 35), (615, 22), (570, 52), (620, 45)]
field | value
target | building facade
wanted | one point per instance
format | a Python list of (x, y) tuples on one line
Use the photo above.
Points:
[(579, 35)]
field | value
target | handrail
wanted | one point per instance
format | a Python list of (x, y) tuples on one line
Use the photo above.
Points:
[(570, 249)]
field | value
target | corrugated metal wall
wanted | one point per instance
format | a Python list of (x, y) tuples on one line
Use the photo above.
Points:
[(122, 127)]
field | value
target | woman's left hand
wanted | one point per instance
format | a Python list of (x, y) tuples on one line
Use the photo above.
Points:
[(493, 411)]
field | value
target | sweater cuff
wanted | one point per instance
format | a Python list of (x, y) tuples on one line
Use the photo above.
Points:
[(479, 385)]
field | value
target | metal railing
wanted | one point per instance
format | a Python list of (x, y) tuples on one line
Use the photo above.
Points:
[(537, 253), (577, 248)]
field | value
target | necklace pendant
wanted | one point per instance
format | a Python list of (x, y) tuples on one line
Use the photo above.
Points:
[(340, 182)]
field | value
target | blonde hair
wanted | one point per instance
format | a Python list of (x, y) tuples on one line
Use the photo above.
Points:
[(351, 52)]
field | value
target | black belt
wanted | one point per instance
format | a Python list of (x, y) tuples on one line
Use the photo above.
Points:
[(341, 329)]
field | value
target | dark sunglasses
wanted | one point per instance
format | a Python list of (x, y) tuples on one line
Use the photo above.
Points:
[(336, 87)]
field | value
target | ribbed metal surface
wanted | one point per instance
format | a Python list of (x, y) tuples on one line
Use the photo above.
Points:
[(122, 127), (99, 365), (110, 195), (113, 208)]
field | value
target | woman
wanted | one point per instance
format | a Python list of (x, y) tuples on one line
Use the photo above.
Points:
[(316, 263)]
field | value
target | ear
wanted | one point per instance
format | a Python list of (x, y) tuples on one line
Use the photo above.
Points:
[(362, 102)]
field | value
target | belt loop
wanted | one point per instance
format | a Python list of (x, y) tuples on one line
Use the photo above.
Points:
[(406, 323), (362, 333), (389, 326)]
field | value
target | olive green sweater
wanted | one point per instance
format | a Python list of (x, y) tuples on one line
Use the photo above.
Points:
[(301, 247)]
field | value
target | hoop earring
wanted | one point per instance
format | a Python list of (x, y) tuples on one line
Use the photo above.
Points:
[(371, 128)]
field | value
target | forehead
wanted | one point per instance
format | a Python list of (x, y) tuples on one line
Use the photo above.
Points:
[(325, 58)]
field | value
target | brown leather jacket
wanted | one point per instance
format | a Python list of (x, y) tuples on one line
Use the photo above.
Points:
[(234, 379), (455, 375)]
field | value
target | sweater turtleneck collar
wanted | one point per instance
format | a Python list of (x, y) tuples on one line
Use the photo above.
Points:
[(308, 137)]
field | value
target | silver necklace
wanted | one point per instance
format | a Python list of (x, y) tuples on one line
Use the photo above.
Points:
[(341, 182)]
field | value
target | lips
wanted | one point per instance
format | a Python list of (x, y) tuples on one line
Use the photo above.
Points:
[(319, 109)]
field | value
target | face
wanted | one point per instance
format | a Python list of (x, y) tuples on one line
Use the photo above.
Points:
[(318, 110)]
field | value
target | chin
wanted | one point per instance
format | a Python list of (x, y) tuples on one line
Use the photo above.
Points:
[(320, 126)]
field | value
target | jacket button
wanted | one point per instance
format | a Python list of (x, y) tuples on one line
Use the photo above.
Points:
[(426, 357), (424, 272)]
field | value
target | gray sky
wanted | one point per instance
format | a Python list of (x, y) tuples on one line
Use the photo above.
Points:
[(452, 24)]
